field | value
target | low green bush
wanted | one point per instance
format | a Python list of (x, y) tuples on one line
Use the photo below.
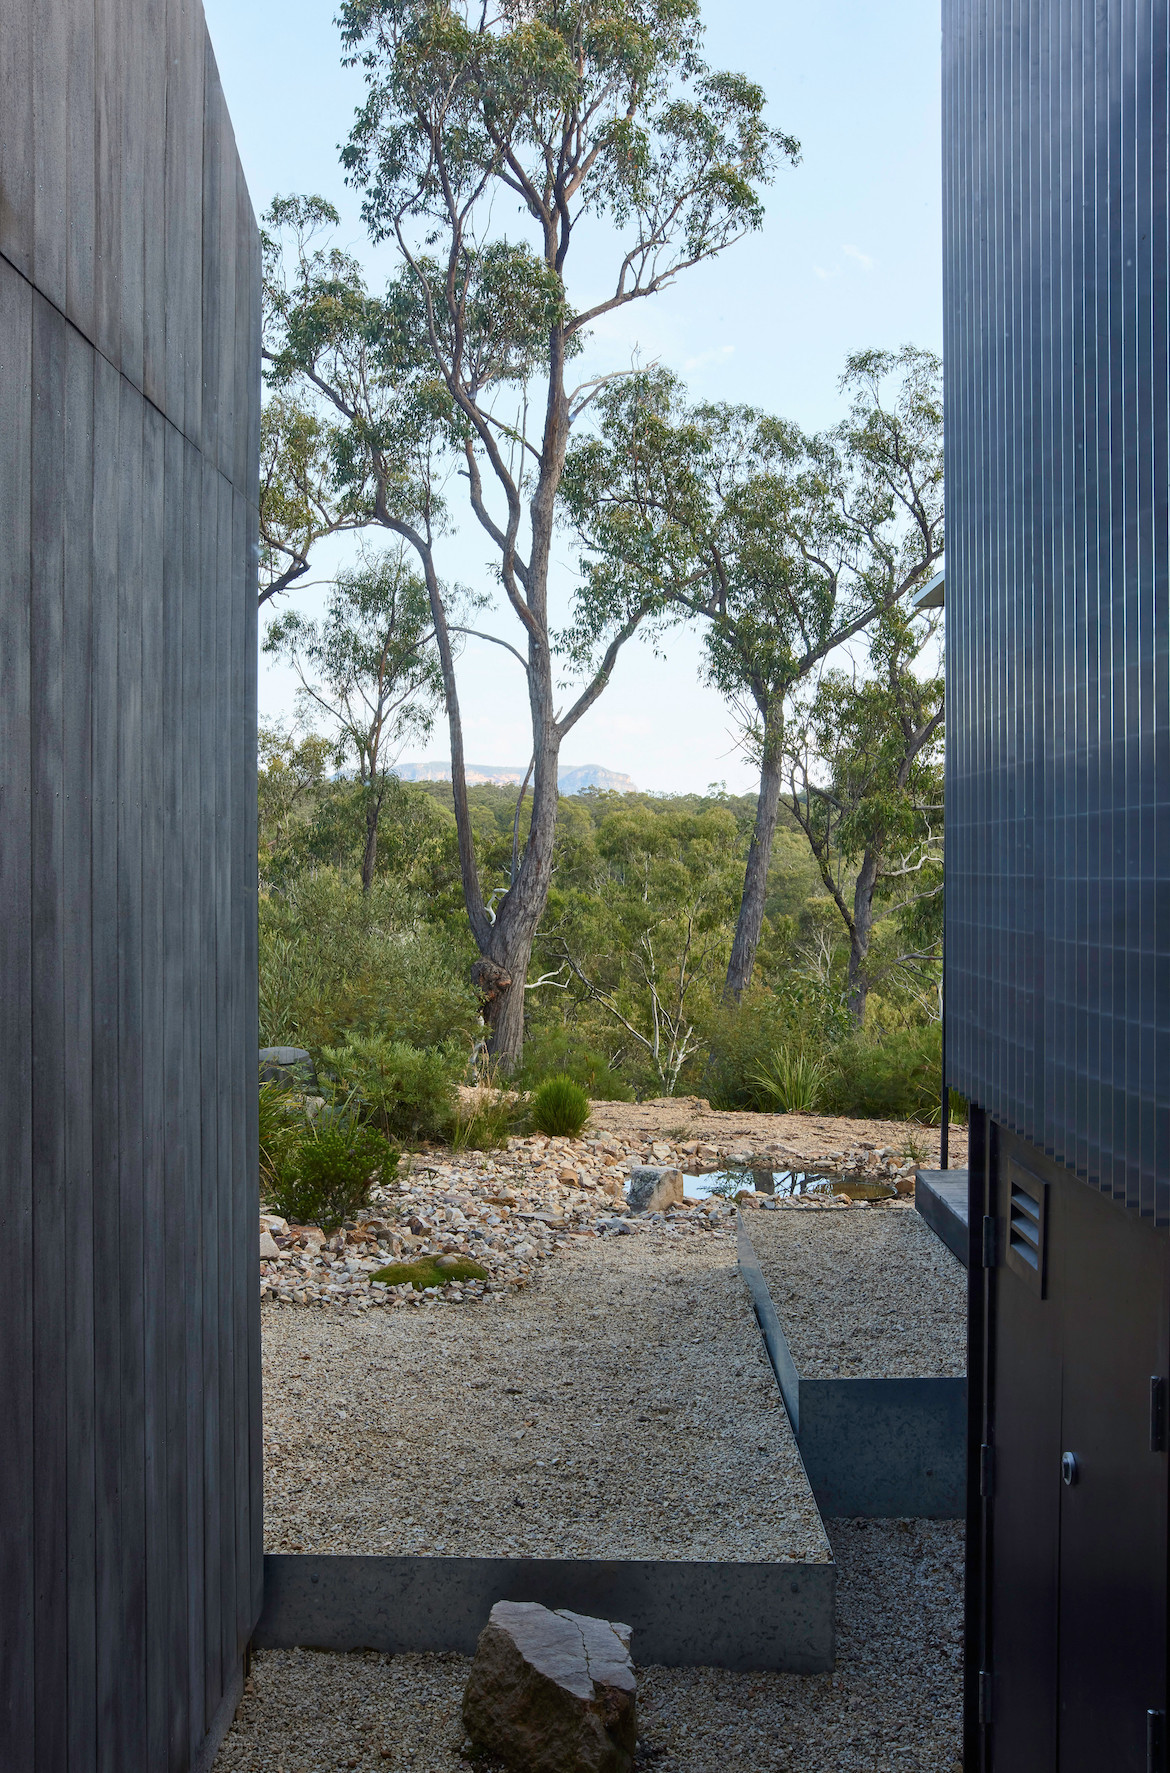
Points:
[(560, 1108), (409, 1092), (326, 1177), (427, 1272)]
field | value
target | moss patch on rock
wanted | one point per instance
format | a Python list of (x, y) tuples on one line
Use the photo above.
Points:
[(430, 1271)]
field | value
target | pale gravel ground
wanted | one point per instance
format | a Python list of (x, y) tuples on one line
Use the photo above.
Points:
[(814, 1138), (893, 1705), (622, 1406), (870, 1293)]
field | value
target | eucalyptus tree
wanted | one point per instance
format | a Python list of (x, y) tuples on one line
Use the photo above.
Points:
[(596, 133), (863, 780), (369, 665), (785, 546)]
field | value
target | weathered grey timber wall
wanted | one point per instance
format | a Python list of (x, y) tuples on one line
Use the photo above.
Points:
[(1057, 210), (130, 1548)]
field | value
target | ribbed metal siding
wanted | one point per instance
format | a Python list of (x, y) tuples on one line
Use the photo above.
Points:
[(1058, 724), (130, 1475)]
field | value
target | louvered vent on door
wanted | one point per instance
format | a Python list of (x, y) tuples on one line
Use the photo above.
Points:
[(1027, 1243)]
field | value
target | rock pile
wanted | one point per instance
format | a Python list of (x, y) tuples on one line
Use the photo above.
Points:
[(512, 1210), (508, 1211), (552, 1692)]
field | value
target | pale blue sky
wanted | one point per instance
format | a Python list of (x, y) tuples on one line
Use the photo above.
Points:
[(849, 256)]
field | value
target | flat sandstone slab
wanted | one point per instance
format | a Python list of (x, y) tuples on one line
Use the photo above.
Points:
[(622, 1407), (868, 1294)]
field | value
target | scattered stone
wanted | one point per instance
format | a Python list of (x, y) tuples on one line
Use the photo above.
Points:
[(653, 1188), (552, 1692), (269, 1248)]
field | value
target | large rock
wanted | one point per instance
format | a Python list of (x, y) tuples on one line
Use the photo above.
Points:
[(652, 1188), (552, 1692), (287, 1065)]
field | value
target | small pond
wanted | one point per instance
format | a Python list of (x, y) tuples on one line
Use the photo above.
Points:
[(728, 1183)]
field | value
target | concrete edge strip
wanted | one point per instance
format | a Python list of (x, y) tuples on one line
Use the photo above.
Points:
[(778, 1616), (873, 1448), (775, 1341)]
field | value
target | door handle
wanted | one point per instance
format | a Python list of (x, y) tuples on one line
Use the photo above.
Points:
[(1070, 1471)]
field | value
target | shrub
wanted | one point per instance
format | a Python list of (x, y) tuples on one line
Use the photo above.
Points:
[(328, 1177), (894, 1076), (792, 1081), (563, 1052), (744, 1038), (333, 959), (560, 1108), (406, 1091)]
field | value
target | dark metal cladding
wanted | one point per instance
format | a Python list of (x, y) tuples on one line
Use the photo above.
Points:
[(1058, 675), (130, 1482)]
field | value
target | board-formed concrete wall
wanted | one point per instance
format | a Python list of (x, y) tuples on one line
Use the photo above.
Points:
[(130, 1548)]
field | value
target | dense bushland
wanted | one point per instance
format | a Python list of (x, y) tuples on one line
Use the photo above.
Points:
[(626, 992)]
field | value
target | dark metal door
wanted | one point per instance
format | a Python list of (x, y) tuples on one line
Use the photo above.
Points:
[(1023, 1452), (1113, 1515), (1076, 1553)]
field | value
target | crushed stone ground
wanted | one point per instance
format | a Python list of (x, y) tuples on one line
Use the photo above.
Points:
[(870, 1294), (621, 1407), (893, 1705)]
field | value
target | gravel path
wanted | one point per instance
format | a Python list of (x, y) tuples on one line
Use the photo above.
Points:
[(869, 1293), (893, 1703), (621, 1406)]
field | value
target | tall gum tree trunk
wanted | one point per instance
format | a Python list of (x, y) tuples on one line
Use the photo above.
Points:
[(755, 882), (860, 935), (370, 853)]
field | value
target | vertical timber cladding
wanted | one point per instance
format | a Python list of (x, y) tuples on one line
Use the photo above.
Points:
[(130, 1485), (1058, 789)]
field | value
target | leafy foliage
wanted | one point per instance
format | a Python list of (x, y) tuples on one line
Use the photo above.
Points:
[(326, 1177), (279, 1118), (407, 1091), (335, 961), (898, 1077)]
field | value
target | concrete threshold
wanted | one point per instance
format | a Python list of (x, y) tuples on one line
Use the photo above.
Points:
[(941, 1198), (683, 1615), (872, 1448)]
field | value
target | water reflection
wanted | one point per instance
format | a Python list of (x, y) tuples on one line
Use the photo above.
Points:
[(728, 1183)]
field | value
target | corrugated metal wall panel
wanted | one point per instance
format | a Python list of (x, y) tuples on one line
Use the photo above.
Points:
[(130, 1487), (1058, 662)]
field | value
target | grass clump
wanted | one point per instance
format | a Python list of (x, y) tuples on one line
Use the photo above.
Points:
[(791, 1081), (279, 1132), (485, 1122), (326, 1176), (560, 1108), (430, 1271)]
